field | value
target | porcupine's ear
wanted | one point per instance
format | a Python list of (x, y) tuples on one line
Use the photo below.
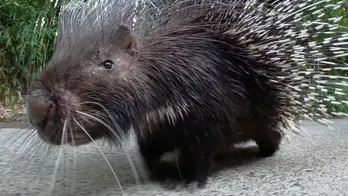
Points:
[(125, 39)]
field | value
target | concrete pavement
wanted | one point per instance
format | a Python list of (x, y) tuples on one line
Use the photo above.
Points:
[(315, 163)]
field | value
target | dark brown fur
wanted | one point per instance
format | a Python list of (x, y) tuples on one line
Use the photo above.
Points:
[(217, 92)]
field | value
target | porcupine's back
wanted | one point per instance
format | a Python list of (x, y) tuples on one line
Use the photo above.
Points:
[(314, 46), (264, 40), (213, 32), (307, 40), (303, 38)]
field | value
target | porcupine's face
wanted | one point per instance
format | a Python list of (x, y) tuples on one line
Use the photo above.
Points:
[(77, 91)]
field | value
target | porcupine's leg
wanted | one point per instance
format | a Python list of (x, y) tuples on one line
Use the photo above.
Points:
[(268, 141), (197, 151), (152, 148), (194, 148), (166, 138), (195, 160)]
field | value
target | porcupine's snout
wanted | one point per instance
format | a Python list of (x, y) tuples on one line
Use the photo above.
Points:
[(56, 115), (41, 112)]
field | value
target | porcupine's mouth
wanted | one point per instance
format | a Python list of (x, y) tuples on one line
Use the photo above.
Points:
[(58, 135), (78, 142), (79, 137)]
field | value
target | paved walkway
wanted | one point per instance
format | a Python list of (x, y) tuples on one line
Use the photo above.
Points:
[(313, 164)]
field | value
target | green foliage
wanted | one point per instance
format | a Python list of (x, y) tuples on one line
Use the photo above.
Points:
[(27, 35), (332, 94)]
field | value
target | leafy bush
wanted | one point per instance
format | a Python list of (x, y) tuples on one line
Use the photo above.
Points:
[(27, 36)]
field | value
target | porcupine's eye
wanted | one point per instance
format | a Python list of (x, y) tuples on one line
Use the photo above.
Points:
[(108, 64)]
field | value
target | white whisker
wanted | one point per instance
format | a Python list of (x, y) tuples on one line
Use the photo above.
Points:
[(177, 163), (107, 161), (13, 155), (74, 152), (135, 173), (17, 137), (55, 171)]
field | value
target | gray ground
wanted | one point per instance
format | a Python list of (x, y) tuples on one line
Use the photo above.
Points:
[(312, 164)]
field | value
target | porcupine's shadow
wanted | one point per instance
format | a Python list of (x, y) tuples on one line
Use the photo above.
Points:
[(236, 157), (83, 170), (94, 176), (240, 155)]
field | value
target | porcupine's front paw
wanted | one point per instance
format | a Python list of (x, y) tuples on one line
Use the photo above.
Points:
[(173, 175), (189, 170), (163, 172), (185, 175), (190, 167), (268, 143), (151, 153)]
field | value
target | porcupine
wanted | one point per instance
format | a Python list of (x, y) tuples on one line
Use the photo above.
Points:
[(193, 76)]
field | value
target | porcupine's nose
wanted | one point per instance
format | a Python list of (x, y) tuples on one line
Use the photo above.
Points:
[(40, 110)]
